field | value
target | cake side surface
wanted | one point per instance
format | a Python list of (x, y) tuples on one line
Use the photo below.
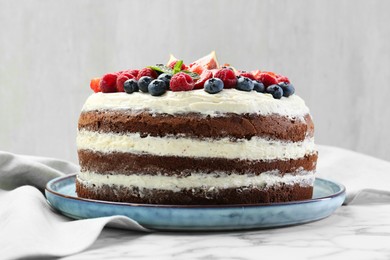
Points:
[(206, 149)]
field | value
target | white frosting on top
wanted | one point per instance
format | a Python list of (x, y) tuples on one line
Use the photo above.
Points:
[(198, 180), (199, 101), (256, 148)]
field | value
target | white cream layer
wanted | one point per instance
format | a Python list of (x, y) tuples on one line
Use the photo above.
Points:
[(254, 149), (198, 101), (198, 180)]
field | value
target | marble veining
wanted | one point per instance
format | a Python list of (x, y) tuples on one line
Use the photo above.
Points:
[(356, 231)]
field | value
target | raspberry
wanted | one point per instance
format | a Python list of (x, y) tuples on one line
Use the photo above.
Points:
[(147, 72), (246, 74), (181, 82), (121, 79), (206, 74), (108, 83), (267, 78), (95, 85), (228, 77), (282, 79), (172, 65), (132, 72)]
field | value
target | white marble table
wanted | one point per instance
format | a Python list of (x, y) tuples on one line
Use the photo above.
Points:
[(357, 231), (360, 230)]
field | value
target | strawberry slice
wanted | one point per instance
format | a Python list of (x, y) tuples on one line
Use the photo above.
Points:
[(256, 74), (94, 84), (268, 78), (282, 79)]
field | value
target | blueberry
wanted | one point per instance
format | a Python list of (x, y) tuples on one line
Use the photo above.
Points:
[(244, 84), (157, 87), (166, 78), (258, 86), (276, 91), (130, 86), (288, 88), (144, 82), (213, 85)]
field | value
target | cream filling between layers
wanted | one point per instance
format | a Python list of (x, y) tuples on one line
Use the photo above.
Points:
[(198, 101), (198, 180), (254, 149)]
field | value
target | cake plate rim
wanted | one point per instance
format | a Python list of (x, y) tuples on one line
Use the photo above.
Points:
[(226, 217)]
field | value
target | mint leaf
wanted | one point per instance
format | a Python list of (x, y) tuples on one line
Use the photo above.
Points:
[(162, 68), (177, 67), (193, 75)]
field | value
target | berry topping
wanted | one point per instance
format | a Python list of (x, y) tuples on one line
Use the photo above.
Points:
[(147, 72), (288, 88), (144, 82), (166, 78), (244, 84), (267, 78), (108, 83), (95, 85), (173, 63), (207, 62), (227, 76), (282, 79), (181, 82), (258, 86), (203, 73), (206, 74), (246, 74), (157, 87), (132, 72), (213, 85), (256, 74), (121, 79), (275, 90), (130, 86)]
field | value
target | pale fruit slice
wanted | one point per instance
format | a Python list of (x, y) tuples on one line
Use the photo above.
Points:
[(256, 74), (208, 62), (171, 59)]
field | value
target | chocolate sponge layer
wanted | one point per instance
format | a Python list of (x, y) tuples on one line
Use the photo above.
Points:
[(198, 126), (243, 195), (128, 163)]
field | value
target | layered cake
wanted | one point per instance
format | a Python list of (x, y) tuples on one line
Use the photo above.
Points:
[(195, 135)]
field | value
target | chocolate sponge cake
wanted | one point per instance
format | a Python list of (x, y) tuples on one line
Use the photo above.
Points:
[(195, 135), (195, 148)]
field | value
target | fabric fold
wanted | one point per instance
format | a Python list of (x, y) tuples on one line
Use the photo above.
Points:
[(30, 227), (18, 170)]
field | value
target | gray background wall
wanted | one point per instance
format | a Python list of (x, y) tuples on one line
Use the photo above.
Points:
[(336, 52)]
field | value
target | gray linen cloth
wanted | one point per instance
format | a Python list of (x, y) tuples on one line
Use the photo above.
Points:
[(30, 228)]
